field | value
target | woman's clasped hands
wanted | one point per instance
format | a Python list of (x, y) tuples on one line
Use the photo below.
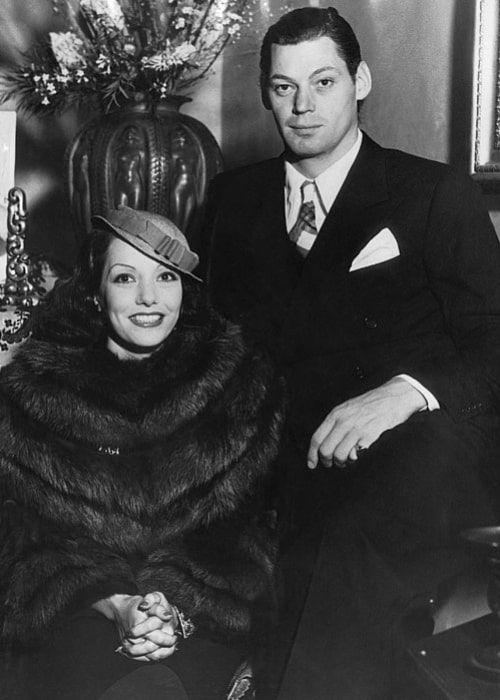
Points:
[(151, 631), (146, 625)]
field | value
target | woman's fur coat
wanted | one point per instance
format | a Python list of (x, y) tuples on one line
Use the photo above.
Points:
[(134, 476)]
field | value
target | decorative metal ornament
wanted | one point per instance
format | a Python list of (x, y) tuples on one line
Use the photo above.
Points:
[(145, 156), (18, 288)]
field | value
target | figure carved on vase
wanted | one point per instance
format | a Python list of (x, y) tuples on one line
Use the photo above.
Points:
[(155, 159), (80, 195), (129, 188), (82, 189), (185, 179)]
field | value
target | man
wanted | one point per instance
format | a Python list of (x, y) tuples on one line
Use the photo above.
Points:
[(374, 278)]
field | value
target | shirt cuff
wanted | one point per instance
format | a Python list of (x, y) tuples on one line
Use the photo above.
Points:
[(432, 402)]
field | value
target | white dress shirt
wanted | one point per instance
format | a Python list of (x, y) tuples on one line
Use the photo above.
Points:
[(324, 193), (327, 186)]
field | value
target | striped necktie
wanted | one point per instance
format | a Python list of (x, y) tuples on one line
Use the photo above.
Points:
[(304, 232)]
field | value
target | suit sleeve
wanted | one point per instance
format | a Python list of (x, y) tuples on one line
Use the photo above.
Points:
[(462, 259)]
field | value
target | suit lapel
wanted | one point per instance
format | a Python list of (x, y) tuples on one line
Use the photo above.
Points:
[(356, 216), (278, 262), (353, 219)]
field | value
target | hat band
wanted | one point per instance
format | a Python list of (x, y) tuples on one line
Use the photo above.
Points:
[(162, 244), (176, 253)]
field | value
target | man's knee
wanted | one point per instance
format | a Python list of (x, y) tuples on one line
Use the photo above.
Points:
[(421, 483)]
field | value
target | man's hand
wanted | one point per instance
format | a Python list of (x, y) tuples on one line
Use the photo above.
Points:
[(359, 422)]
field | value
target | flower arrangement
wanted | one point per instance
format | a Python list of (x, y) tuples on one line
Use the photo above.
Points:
[(116, 50)]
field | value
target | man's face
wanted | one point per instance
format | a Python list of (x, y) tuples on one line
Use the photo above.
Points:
[(314, 99)]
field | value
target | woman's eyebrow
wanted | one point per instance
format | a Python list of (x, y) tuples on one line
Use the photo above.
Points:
[(130, 267)]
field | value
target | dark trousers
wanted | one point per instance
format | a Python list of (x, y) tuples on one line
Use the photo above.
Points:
[(358, 580)]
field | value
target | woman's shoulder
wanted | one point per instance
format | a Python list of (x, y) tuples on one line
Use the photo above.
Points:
[(253, 379), (242, 347)]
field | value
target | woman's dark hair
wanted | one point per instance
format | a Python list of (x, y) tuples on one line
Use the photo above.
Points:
[(74, 298), (308, 23)]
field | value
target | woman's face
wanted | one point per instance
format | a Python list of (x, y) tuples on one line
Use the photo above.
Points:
[(141, 297)]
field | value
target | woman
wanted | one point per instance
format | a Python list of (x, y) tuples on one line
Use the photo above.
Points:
[(138, 434)]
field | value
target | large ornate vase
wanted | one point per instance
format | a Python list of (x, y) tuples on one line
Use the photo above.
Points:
[(146, 157)]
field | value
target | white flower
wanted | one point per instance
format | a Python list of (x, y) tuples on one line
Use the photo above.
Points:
[(163, 89), (168, 58), (109, 10), (103, 62), (127, 49), (67, 47), (80, 77), (184, 52), (219, 8)]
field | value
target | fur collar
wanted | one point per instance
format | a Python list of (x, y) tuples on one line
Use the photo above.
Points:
[(188, 431), (121, 400)]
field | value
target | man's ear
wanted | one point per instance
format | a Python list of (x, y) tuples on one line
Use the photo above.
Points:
[(363, 81)]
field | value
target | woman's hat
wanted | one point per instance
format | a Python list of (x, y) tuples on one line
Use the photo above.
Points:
[(151, 234)]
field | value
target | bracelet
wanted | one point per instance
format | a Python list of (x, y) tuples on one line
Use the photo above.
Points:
[(186, 627)]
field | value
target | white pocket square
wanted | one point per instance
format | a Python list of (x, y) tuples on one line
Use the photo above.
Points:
[(382, 247)]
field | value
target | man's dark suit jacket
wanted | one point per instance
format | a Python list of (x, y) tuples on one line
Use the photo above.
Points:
[(433, 312)]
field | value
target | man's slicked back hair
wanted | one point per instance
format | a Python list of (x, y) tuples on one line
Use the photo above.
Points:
[(308, 23)]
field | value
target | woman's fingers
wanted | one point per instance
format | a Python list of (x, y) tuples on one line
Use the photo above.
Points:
[(159, 618), (161, 611), (164, 613), (136, 650), (142, 629), (162, 653), (149, 600), (163, 638), (158, 645)]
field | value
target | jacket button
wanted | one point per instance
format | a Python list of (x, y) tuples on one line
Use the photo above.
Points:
[(370, 322), (359, 372)]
